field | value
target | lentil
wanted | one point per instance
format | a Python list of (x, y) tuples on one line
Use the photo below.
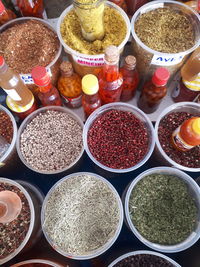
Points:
[(143, 260), (51, 141), (162, 209), (118, 139), (168, 124), (13, 234), (81, 214)]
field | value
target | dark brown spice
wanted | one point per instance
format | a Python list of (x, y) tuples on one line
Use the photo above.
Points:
[(6, 127), (13, 234)]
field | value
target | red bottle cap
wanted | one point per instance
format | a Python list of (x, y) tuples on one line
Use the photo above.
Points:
[(2, 7), (2, 61), (40, 76), (160, 77)]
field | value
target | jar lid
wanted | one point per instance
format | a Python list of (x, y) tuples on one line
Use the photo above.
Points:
[(2, 7), (112, 54), (90, 84), (16, 108), (130, 62), (66, 68), (196, 126), (160, 77), (193, 85), (40, 76)]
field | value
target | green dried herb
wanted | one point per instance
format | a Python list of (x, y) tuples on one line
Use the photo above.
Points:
[(162, 209)]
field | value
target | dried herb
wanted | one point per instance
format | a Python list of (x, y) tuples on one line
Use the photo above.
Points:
[(162, 209)]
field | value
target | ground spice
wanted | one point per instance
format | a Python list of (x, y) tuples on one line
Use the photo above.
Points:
[(118, 139), (144, 260), (13, 234), (165, 30), (81, 215), (115, 32), (51, 141), (27, 45), (162, 209), (6, 127), (168, 124)]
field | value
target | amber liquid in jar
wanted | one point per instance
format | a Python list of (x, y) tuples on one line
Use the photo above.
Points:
[(31, 8), (191, 68)]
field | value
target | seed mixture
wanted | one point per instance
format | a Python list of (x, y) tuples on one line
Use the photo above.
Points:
[(51, 141), (13, 234), (115, 32), (144, 260), (6, 127), (81, 214), (168, 124), (165, 30), (118, 139), (162, 209), (27, 45)]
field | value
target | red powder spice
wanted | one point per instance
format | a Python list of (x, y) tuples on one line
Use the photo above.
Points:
[(118, 139), (167, 125)]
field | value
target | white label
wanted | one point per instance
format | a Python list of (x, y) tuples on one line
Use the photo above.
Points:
[(91, 62), (166, 60), (13, 94), (27, 78)]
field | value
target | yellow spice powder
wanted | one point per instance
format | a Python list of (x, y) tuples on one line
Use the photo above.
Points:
[(115, 32)]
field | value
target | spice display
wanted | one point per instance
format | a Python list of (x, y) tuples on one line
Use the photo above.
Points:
[(115, 32), (5, 14), (110, 79), (33, 8), (118, 139), (90, 14), (187, 135), (81, 215), (167, 126), (90, 99), (51, 141), (162, 209), (154, 91), (143, 260), (48, 94), (170, 30), (69, 85), (27, 45), (6, 127), (130, 78), (13, 234), (191, 68)]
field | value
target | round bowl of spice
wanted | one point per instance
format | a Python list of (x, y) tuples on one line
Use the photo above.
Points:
[(8, 137), (87, 56), (38, 263), (162, 207), (164, 33), (82, 215), (144, 258), (17, 219), (49, 140), (166, 126), (118, 137)]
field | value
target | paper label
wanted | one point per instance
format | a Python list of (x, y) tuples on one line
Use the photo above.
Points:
[(90, 62), (166, 60), (27, 78), (74, 102), (13, 94)]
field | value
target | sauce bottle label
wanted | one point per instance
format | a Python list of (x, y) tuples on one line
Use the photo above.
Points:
[(13, 94), (72, 102)]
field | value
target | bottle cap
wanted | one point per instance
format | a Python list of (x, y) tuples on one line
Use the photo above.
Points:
[(130, 62), (66, 68), (112, 54), (196, 125), (40, 76), (2, 61), (16, 108), (160, 77), (2, 7), (90, 84)]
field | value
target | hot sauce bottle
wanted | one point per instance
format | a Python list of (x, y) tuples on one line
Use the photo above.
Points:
[(5, 14), (31, 8), (110, 79)]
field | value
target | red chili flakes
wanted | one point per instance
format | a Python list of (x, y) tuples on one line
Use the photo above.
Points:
[(167, 125), (12, 234), (6, 127), (118, 139)]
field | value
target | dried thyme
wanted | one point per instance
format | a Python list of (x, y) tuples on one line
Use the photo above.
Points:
[(162, 209), (81, 215)]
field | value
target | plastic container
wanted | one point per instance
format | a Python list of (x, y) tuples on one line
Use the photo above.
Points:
[(35, 262), (7, 160), (148, 59), (53, 67), (141, 252), (89, 64), (194, 191), (104, 248), (29, 119), (159, 153), (125, 107), (34, 230)]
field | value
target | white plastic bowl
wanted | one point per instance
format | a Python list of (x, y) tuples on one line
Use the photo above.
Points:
[(36, 261)]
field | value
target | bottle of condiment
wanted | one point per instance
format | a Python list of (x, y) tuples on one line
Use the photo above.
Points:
[(120, 3), (90, 99), (154, 91), (193, 4), (69, 85), (110, 79), (13, 85), (187, 135), (31, 8), (133, 5), (48, 94), (5, 14), (130, 78)]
